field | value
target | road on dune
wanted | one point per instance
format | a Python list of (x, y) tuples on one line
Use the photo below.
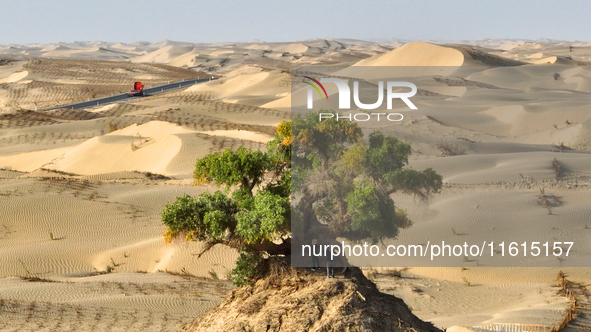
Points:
[(151, 91)]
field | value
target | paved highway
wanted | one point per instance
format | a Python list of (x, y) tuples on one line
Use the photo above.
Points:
[(154, 90)]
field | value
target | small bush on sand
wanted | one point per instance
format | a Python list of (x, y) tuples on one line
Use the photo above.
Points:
[(112, 127), (450, 149)]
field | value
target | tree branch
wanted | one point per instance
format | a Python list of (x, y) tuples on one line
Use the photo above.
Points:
[(208, 245)]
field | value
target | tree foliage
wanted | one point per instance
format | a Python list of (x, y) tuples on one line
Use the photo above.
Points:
[(341, 186), (241, 167), (252, 214), (344, 183), (204, 218)]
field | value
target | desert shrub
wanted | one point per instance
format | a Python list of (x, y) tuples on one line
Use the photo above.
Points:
[(450, 149), (112, 127)]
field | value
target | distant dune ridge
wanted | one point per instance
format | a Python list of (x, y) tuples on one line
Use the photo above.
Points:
[(417, 54), (82, 190)]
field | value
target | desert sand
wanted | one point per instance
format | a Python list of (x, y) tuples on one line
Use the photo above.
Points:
[(81, 190)]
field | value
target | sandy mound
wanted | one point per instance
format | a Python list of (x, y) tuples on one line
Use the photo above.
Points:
[(556, 60), (178, 56), (55, 48), (501, 295), (15, 77), (164, 54), (96, 52), (475, 57), (291, 48), (417, 54), (257, 47), (184, 60), (255, 89), (132, 148), (30, 161), (427, 54), (244, 70), (420, 58), (301, 302), (230, 86), (537, 55), (241, 134), (281, 103)]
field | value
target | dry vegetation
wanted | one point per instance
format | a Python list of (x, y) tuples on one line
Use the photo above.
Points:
[(450, 149), (123, 115), (572, 311), (557, 167), (92, 78), (19, 315), (548, 201), (24, 119)]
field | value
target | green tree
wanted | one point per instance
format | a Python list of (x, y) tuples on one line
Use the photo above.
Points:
[(252, 213), (342, 184), (341, 188)]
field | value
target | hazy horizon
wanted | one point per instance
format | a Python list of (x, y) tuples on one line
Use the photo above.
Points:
[(369, 40), (31, 21)]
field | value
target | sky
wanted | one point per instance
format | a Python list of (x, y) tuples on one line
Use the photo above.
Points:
[(47, 21)]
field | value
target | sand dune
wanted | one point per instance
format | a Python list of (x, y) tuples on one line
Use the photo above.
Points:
[(30, 161), (252, 89), (130, 232), (417, 54), (555, 60), (498, 135), (291, 48), (131, 148), (15, 77), (213, 57), (294, 48), (165, 54), (241, 134), (57, 82), (427, 54), (82, 191), (524, 302), (124, 302), (280, 103), (233, 85), (505, 167)]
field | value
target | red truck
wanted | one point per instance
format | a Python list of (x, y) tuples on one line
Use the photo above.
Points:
[(138, 90)]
